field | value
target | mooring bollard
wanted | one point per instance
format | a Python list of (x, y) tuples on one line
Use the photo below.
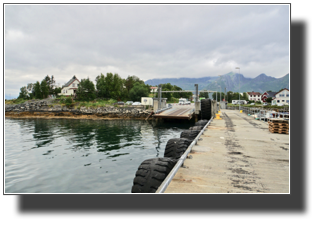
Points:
[(218, 117)]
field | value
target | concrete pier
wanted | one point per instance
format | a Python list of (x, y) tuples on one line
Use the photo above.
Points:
[(237, 154)]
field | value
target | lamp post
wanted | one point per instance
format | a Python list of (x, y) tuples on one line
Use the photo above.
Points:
[(239, 87), (220, 98), (220, 92)]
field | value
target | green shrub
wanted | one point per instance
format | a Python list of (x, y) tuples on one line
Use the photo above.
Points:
[(68, 101)]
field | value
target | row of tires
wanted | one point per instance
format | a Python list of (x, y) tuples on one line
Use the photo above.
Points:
[(152, 172)]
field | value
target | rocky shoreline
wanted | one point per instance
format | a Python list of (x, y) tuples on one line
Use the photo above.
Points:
[(44, 109)]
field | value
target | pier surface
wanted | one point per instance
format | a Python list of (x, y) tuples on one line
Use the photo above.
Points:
[(237, 154), (177, 112)]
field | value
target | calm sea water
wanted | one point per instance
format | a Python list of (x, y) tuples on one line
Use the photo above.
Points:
[(81, 156)]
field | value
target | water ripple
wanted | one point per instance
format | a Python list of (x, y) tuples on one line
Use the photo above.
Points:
[(80, 156)]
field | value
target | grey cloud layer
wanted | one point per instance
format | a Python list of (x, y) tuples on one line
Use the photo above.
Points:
[(149, 41)]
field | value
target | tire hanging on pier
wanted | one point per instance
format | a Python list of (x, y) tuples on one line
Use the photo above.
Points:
[(176, 147), (189, 134), (151, 173), (196, 128), (206, 109), (202, 122)]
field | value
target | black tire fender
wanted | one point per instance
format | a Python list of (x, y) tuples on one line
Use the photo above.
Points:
[(206, 109), (189, 134), (202, 122), (196, 128), (151, 173), (176, 147)]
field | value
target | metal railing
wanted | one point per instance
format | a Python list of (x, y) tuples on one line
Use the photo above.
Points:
[(266, 113), (180, 162), (159, 111)]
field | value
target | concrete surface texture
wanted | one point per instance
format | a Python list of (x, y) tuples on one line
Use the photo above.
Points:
[(237, 154)]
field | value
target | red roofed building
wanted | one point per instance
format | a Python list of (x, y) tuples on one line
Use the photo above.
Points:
[(268, 94), (254, 96), (153, 89)]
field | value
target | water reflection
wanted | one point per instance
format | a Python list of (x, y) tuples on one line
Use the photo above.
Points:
[(82, 156)]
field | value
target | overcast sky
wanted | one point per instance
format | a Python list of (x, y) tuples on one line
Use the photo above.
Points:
[(149, 41)]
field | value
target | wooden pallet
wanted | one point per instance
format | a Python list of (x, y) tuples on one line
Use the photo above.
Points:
[(279, 131), (280, 126), (283, 124), (277, 120)]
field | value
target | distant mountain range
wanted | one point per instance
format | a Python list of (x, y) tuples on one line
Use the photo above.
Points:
[(232, 81)]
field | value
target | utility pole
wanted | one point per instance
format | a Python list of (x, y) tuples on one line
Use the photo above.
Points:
[(196, 92), (239, 87), (225, 94), (159, 96)]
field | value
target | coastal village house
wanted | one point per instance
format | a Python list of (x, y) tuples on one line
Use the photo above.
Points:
[(254, 96), (153, 89), (70, 87), (281, 97), (267, 94)]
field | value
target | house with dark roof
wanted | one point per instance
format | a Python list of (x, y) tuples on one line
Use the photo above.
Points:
[(281, 97), (70, 87), (267, 94)]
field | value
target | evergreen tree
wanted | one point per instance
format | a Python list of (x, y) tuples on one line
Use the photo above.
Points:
[(57, 90), (86, 90), (204, 94), (245, 96), (218, 96), (129, 83), (52, 86), (44, 89), (116, 87), (230, 96), (50, 81), (139, 90), (269, 99), (23, 93), (38, 92)]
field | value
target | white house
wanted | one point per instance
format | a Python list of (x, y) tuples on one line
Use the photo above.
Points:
[(255, 96), (153, 89), (282, 97), (70, 87)]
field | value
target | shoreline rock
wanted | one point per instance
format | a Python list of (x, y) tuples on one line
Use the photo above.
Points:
[(43, 109)]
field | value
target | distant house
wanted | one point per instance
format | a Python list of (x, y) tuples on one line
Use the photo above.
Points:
[(254, 96), (153, 89), (281, 97), (267, 94), (70, 87)]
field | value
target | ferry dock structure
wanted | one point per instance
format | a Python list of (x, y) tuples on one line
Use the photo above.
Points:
[(235, 154)]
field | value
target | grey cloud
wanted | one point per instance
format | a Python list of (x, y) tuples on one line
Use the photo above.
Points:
[(149, 41)]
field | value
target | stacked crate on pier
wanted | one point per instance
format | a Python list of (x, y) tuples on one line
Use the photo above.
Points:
[(280, 126)]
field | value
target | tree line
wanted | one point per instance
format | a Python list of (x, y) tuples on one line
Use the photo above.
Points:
[(230, 96), (175, 95), (112, 86), (39, 90), (109, 86)]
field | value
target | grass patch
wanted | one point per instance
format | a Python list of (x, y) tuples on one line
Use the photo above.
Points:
[(15, 101)]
